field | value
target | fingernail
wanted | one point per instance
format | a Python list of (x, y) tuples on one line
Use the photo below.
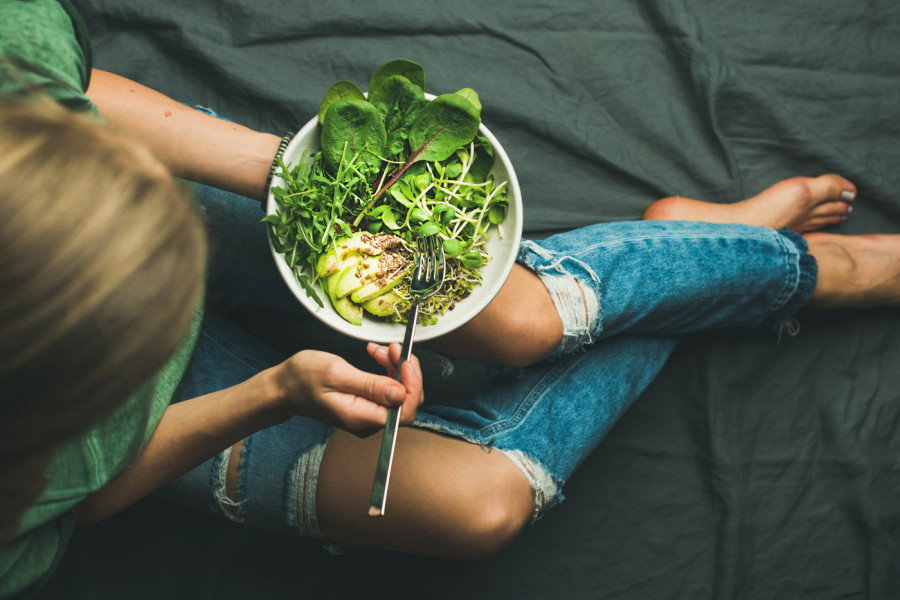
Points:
[(848, 195), (396, 394), (849, 209)]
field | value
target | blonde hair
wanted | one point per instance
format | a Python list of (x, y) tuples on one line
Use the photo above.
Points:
[(102, 258)]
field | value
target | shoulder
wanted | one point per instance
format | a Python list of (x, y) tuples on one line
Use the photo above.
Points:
[(44, 46)]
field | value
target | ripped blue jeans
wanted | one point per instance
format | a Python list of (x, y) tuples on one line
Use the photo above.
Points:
[(625, 292)]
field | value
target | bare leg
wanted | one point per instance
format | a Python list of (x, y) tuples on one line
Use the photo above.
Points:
[(856, 271), (447, 497), (519, 327), (801, 204)]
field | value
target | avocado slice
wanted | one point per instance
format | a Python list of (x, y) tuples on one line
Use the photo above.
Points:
[(328, 264), (355, 275), (363, 242), (378, 285), (383, 305), (349, 310)]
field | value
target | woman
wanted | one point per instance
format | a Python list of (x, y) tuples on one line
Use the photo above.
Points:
[(235, 424)]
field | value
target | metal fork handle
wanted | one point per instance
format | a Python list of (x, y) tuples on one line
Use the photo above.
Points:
[(389, 439)]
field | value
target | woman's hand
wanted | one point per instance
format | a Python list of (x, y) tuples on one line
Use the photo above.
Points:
[(325, 387)]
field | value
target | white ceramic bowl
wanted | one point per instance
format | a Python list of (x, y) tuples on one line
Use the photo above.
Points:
[(502, 247)]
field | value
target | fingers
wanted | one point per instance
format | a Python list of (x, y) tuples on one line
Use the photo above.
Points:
[(382, 355), (411, 376), (387, 356)]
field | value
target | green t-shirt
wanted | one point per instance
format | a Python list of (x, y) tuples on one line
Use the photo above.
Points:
[(44, 47)]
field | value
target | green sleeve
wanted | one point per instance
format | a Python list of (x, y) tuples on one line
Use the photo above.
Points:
[(44, 50)]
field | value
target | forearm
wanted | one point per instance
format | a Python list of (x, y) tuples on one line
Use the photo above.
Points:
[(194, 145), (190, 433), (313, 384)]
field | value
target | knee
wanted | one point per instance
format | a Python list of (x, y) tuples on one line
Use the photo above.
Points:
[(524, 337), (492, 525)]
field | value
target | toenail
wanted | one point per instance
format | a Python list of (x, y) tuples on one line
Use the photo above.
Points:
[(848, 195)]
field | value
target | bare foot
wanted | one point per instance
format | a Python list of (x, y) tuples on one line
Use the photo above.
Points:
[(855, 271), (801, 204)]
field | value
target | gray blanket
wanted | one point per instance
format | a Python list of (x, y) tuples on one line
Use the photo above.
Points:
[(754, 467)]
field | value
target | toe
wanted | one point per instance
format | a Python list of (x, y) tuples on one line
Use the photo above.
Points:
[(833, 188)]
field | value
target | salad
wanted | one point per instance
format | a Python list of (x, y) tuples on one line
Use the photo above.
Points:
[(394, 166)]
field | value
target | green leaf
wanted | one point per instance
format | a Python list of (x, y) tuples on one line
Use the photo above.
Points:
[(428, 228), (411, 70), (389, 218), (394, 97), (399, 101), (443, 126), (453, 247), (472, 96), (472, 259), (484, 159), (339, 91), (417, 215), (398, 194), (497, 214), (351, 127), (446, 213), (308, 288)]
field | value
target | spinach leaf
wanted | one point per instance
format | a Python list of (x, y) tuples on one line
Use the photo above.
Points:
[(440, 128), (398, 100), (472, 96), (443, 126), (353, 127), (339, 91), (407, 68)]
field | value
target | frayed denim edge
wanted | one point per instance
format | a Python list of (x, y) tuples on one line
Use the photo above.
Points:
[(579, 306), (233, 510), (807, 277), (300, 504)]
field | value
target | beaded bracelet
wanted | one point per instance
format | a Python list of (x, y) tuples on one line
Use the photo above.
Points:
[(281, 148)]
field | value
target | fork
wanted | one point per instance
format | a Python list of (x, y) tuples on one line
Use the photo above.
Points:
[(427, 278)]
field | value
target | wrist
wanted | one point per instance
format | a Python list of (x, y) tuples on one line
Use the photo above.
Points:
[(276, 394), (282, 145)]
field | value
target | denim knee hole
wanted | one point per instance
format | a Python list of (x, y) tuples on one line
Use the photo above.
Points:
[(579, 309), (544, 487), (301, 490), (229, 507)]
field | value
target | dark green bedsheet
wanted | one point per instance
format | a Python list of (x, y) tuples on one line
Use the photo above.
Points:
[(753, 467)]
